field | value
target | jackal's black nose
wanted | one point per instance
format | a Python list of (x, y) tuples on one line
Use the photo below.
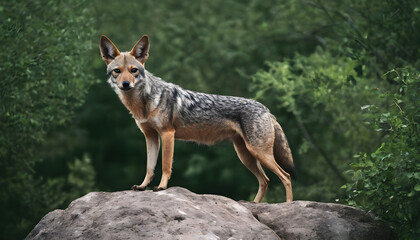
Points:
[(126, 84)]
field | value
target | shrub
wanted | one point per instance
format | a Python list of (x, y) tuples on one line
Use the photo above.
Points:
[(387, 181), (43, 81)]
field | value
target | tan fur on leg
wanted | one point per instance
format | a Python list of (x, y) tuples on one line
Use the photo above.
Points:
[(252, 164), (265, 156), (168, 138)]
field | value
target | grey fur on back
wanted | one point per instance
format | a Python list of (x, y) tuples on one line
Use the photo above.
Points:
[(201, 108)]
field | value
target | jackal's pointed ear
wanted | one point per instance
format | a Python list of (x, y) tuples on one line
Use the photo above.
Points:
[(108, 50), (141, 50)]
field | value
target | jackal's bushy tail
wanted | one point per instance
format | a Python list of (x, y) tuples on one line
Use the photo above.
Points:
[(282, 152)]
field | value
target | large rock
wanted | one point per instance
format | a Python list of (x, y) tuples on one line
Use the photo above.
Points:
[(177, 213), (313, 220)]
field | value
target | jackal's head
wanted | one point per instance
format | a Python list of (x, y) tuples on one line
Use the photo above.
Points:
[(127, 68)]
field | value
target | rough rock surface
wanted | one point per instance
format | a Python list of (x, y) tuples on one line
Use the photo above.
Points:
[(313, 220), (177, 213)]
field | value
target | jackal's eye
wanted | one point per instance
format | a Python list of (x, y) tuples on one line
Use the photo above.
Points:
[(133, 70), (117, 70)]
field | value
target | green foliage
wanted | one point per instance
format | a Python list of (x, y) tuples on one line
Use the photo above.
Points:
[(386, 181), (328, 94), (203, 45), (79, 181), (43, 82), (81, 178), (323, 93), (380, 35), (317, 65)]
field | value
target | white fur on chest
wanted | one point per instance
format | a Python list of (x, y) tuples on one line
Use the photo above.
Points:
[(136, 108), (154, 121)]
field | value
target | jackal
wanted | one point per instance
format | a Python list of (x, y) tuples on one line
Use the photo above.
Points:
[(165, 109)]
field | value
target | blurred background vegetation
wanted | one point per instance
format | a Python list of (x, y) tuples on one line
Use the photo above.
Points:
[(342, 77)]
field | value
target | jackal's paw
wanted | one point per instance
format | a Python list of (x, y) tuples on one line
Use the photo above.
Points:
[(138, 188), (157, 189)]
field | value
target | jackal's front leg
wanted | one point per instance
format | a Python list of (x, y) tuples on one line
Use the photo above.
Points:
[(152, 143), (168, 138)]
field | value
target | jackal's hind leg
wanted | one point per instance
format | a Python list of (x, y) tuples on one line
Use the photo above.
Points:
[(152, 143), (253, 165), (266, 157)]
